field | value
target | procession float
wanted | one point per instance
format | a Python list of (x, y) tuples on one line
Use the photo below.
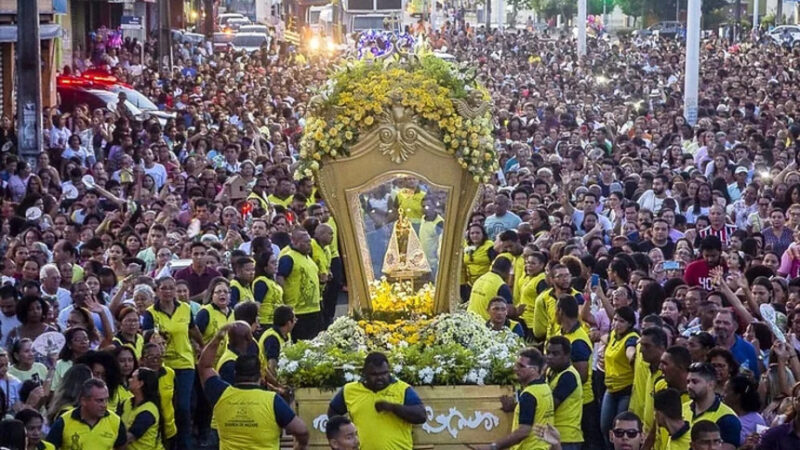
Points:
[(399, 141)]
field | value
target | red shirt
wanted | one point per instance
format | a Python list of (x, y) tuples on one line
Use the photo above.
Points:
[(698, 273)]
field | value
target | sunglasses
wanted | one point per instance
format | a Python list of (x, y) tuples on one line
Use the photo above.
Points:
[(631, 433)]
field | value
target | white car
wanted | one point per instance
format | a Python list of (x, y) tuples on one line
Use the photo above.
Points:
[(224, 18), (249, 42), (256, 28), (777, 33)]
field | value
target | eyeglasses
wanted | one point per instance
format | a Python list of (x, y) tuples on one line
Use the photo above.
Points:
[(631, 433)]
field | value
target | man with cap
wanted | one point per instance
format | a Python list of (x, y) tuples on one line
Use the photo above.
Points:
[(736, 189)]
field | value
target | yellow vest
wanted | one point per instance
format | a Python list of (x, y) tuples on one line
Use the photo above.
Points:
[(431, 239), (271, 331), (567, 418), (44, 445), (378, 430), (272, 300), (528, 296), (151, 439), (662, 441), (580, 334), (301, 287), (216, 320), (334, 245), (519, 278), (619, 372), (118, 398), (230, 355), (277, 201), (261, 201), (166, 389), (321, 257), (545, 325), (175, 328), (135, 346), (483, 291), (655, 383), (78, 435), (543, 415), (245, 290), (641, 374), (245, 419), (477, 262), (681, 440), (411, 204), (717, 411)]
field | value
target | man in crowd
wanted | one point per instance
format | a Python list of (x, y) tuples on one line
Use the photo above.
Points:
[(705, 405), (246, 416), (383, 408), (299, 276)]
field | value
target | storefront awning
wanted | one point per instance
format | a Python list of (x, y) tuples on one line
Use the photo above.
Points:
[(8, 33)]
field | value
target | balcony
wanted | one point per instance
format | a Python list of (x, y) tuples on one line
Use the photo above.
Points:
[(10, 7)]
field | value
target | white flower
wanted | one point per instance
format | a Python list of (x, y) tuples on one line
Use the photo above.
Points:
[(348, 376), (291, 366), (426, 375)]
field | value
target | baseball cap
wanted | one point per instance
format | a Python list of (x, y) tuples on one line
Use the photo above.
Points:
[(740, 169)]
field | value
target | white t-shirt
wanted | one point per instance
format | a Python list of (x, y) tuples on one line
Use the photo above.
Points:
[(158, 172)]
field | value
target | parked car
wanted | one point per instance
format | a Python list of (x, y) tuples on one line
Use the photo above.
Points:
[(783, 33), (221, 40), (223, 19), (235, 24), (249, 42), (255, 28), (100, 91), (668, 29)]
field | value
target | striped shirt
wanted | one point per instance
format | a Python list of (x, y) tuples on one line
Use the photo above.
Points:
[(724, 234)]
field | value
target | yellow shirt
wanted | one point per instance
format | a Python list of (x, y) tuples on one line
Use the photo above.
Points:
[(568, 414), (543, 415), (641, 373), (151, 439), (545, 324), (477, 261), (484, 290), (619, 372), (245, 419), (107, 433), (175, 329), (378, 430)]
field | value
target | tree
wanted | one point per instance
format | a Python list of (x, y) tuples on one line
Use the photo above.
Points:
[(595, 7), (517, 5)]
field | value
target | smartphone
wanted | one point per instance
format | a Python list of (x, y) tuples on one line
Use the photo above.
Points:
[(36, 379), (595, 279), (671, 265)]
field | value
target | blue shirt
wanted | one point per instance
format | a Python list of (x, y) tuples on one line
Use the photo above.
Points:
[(495, 224), (744, 353)]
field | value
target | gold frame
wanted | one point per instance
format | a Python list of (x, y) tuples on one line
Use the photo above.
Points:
[(399, 147)]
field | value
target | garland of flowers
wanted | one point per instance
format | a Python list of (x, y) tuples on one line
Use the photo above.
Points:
[(452, 349), (362, 90), (401, 298)]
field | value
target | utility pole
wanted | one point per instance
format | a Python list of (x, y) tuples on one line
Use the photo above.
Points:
[(755, 14), (737, 19), (29, 85), (164, 37), (488, 13), (692, 61), (779, 13), (581, 28), (677, 10), (208, 7)]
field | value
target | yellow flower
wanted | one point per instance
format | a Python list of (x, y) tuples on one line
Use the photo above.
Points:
[(368, 120)]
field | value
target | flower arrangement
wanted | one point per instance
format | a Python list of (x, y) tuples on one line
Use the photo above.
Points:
[(400, 297), (451, 349), (444, 99)]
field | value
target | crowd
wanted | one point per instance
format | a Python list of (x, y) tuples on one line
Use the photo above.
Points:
[(152, 271)]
